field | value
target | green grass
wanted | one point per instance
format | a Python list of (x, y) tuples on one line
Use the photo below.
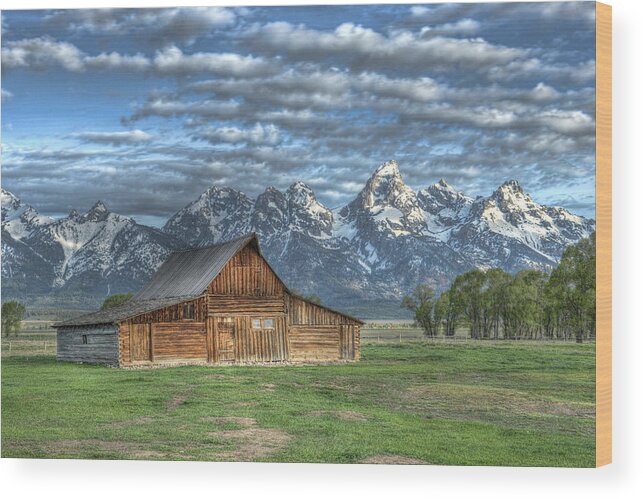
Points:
[(519, 404)]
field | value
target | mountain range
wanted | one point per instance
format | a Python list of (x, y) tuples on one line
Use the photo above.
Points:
[(361, 257)]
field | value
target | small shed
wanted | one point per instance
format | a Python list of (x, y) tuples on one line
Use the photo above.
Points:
[(217, 304)]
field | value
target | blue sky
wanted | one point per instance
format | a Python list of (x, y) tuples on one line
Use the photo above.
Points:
[(146, 108)]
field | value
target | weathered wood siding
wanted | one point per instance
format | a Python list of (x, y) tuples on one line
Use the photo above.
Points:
[(247, 274), (179, 341), (250, 345), (173, 313), (246, 305), (317, 333), (304, 312), (314, 343), (101, 346)]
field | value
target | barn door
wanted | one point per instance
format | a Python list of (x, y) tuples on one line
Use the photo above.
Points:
[(226, 330), (141, 341)]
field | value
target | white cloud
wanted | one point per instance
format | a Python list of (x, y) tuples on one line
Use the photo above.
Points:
[(172, 60), (6, 95), (364, 46), (461, 27), (40, 53), (259, 134), (116, 138), (45, 52), (167, 25)]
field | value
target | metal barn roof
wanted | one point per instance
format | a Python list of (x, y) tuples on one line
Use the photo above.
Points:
[(189, 272), (184, 276)]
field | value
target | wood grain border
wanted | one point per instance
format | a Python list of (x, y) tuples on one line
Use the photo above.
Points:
[(603, 234)]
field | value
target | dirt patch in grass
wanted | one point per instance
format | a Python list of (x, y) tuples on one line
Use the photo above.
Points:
[(461, 399), (179, 399), (215, 376), (249, 442), (347, 415), (118, 425), (269, 387), (238, 420), (129, 449), (391, 459)]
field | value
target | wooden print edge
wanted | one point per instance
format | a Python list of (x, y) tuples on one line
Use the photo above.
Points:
[(603, 234)]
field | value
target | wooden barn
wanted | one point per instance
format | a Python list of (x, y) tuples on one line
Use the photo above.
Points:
[(217, 304)]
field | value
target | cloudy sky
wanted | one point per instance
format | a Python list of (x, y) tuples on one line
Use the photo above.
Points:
[(146, 108)]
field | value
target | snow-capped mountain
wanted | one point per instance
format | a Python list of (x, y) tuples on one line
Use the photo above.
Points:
[(511, 231), (98, 252), (219, 214), (371, 251)]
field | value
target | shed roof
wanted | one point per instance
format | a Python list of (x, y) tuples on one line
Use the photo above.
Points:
[(129, 309)]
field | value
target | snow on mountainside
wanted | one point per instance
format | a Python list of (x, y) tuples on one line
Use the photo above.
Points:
[(19, 219), (510, 230), (377, 247), (219, 214), (99, 252)]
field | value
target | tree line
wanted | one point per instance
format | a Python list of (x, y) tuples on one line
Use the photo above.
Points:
[(493, 304)]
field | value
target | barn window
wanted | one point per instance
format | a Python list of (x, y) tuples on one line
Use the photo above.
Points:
[(263, 323), (188, 311), (84, 339)]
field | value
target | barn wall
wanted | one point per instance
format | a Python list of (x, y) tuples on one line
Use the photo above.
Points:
[(101, 346), (319, 334), (304, 312), (246, 274), (252, 345), (162, 342), (314, 343), (245, 305), (179, 341)]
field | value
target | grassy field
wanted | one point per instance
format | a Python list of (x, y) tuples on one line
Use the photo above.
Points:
[(519, 404)]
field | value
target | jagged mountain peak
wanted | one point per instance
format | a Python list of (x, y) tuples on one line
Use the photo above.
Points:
[(99, 207), (96, 213), (300, 189), (511, 197), (386, 187), (388, 169), (8, 198), (271, 190), (300, 194)]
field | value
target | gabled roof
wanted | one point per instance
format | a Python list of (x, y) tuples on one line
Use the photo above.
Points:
[(184, 276), (189, 272)]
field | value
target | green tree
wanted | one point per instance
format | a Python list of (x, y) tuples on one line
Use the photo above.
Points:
[(116, 300), (467, 293), (13, 312), (445, 314), (421, 303), (572, 289)]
